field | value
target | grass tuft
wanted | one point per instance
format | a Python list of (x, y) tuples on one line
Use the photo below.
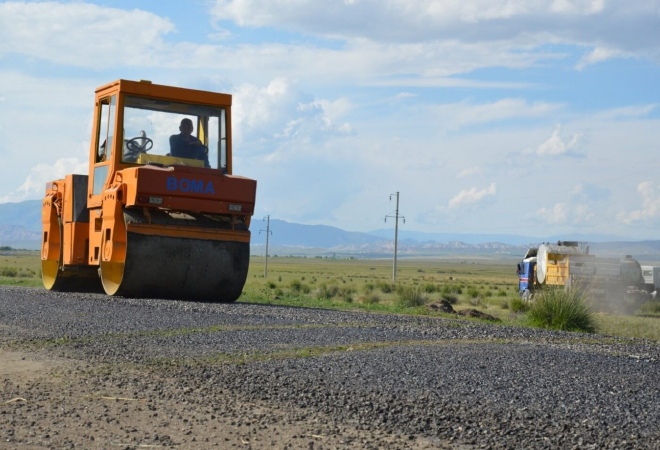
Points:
[(651, 308), (327, 292), (518, 305), (558, 309), (410, 296), (371, 299)]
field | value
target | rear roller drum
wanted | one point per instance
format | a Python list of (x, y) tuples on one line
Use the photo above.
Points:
[(70, 279)]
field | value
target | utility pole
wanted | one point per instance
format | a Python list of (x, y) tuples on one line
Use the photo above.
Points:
[(268, 232), (396, 231)]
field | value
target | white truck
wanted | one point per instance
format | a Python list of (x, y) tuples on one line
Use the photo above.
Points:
[(651, 276)]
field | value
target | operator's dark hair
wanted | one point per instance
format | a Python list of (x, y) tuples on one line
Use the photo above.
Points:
[(186, 120)]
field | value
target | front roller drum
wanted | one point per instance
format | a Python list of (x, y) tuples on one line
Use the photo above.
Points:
[(178, 268)]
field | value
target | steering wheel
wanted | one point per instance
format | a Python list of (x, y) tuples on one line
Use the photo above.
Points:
[(141, 144)]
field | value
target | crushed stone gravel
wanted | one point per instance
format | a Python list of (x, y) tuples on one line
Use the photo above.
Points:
[(309, 378)]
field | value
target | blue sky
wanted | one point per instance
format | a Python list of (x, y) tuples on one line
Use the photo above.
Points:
[(488, 116)]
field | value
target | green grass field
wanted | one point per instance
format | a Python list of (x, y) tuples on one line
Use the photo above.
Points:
[(20, 267), (484, 285)]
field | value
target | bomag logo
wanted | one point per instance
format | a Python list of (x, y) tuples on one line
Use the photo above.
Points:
[(187, 185)]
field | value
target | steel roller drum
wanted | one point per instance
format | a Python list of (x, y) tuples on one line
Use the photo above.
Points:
[(181, 268)]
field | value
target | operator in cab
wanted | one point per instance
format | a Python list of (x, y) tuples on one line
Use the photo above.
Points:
[(185, 145)]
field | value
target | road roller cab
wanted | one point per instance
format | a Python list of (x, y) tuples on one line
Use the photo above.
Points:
[(160, 213)]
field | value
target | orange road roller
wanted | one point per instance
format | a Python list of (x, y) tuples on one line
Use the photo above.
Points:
[(160, 213)]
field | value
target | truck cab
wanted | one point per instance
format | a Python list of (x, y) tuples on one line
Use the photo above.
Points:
[(651, 276), (527, 274)]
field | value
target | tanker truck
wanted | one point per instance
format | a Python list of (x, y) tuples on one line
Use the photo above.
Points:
[(569, 264)]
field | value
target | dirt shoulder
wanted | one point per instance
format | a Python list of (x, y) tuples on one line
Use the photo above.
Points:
[(60, 403)]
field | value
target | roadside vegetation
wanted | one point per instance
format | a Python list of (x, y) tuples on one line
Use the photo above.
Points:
[(558, 309), (20, 267), (482, 285)]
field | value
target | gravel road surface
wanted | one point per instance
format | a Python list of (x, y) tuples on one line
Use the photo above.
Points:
[(92, 372)]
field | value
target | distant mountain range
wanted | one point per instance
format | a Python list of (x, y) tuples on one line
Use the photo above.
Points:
[(20, 227)]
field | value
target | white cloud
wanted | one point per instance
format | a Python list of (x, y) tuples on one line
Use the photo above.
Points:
[(627, 112), (578, 6), (472, 196), (619, 27), (650, 194), (558, 146), (35, 184), (447, 40), (557, 215), (44, 120), (589, 192), (584, 215), (266, 118), (415, 19), (46, 31), (102, 35), (456, 116), (599, 54), (467, 172), (572, 213)]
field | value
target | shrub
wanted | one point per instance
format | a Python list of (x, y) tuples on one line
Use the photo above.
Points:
[(650, 308), (473, 292), (410, 296), (518, 305), (371, 299), (346, 292), (451, 298), (430, 288), (8, 272), (296, 285), (325, 292), (386, 288), (560, 309), (369, 287), (451, 289), (271, 285)]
